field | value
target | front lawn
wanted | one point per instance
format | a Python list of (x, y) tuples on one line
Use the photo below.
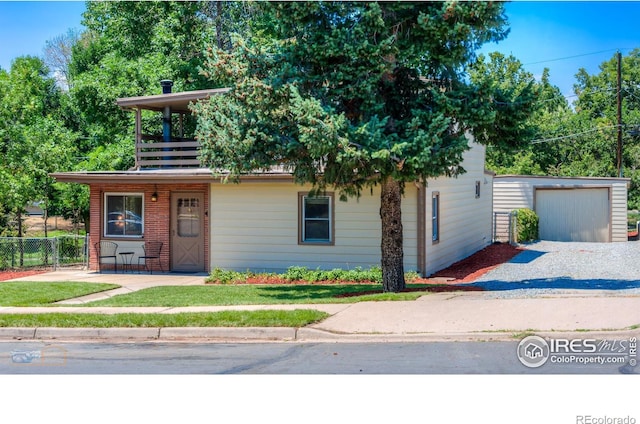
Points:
[(295, 318), (261, 294), (34, 293)]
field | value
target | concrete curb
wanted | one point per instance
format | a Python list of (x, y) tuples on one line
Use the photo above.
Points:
[(96, 333), (281, 334), (229, 333)]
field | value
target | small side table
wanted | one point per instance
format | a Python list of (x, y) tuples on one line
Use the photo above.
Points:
[(126, 261)]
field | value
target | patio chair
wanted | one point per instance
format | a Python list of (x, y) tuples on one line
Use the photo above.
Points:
[(105, 250), (152, 251)]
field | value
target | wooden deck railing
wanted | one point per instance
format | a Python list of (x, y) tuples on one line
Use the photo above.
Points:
[(152, 152)]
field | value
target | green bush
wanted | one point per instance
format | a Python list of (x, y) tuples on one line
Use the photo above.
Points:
[(301, 273), (527, 225), (632, 219), (224, 276)]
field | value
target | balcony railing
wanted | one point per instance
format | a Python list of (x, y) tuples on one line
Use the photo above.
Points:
[(152, 152)]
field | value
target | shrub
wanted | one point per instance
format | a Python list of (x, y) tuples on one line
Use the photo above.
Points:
[(224, 276), (301, 273), (526, 225)]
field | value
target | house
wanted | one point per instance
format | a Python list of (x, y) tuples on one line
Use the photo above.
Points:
[(585, 209), (533, 351), (267, 222)]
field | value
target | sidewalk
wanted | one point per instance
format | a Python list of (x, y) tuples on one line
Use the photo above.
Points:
[(443, 316)]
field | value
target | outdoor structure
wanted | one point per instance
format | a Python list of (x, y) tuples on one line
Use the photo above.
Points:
[(267, 222), (569, 208)]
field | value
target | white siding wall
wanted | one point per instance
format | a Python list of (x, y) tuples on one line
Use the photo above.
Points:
[(514, 192), (619, 211), (255, 226), (465, 221)]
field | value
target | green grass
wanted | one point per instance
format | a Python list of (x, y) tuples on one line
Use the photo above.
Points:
[(33, 293), (252, 295), (54, 233), (45, 293), (265, 318)]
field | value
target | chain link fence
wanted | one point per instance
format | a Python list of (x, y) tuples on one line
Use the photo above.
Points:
[(53, 252), (504, 227)]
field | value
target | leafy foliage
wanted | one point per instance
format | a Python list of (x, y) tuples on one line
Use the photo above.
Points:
[(351, 95), (33, 138), (581, 139), (527, 225), (360, 91), (304, 274), (225, 276)]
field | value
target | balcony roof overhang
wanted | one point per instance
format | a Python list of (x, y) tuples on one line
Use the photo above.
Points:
[(163, 176), (179, 102)]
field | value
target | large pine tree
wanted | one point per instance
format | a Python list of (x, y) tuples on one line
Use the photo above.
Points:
[(350, 95)]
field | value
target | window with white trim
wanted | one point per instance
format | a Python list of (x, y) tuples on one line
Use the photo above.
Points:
[(123, 215), (316, 219), (435, 217)]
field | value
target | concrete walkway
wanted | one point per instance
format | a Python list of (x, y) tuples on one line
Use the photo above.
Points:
[(443, 316)]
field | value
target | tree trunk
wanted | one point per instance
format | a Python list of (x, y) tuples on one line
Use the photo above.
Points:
[(391, 245), (219, 24)]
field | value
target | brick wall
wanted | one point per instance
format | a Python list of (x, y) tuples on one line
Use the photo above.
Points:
[(156, 215)]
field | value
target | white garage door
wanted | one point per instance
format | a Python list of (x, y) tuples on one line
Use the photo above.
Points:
[(580, 214)]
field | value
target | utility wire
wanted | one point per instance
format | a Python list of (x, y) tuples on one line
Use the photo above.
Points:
[(574, 56), (553, 98), (631, 94), (547, 140)]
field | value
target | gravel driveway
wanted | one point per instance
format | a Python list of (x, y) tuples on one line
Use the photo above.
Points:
[(552, 266)]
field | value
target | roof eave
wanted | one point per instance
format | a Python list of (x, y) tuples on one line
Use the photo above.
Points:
[(178, 101), (162, 177)]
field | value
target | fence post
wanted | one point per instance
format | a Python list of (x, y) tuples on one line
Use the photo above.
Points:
[(87, 251), (55, 253), (495, 227)]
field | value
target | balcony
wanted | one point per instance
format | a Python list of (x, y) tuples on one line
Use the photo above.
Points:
[(153, 152), (171, 149)]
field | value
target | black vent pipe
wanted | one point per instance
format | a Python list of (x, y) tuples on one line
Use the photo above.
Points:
[(166, 115), (166, 118)]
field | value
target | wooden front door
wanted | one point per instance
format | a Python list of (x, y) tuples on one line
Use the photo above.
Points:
[(187, 232)]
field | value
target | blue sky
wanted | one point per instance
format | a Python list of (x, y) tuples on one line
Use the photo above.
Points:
[(25, 26), (563, 36), (567, 36)]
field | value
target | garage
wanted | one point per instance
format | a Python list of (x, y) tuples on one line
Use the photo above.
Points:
[(581, 209), (580, 214)]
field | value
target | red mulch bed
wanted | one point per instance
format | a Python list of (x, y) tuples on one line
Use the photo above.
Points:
[(13, 273), (478, 264), (460, 274)]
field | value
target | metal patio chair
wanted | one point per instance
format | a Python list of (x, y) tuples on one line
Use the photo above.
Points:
[(105, 250), (152, 251)]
